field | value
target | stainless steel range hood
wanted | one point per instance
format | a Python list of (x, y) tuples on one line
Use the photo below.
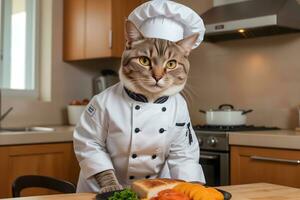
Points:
[(252, 18)]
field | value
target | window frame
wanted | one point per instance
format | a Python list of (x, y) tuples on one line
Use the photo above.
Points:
[(32, 73)]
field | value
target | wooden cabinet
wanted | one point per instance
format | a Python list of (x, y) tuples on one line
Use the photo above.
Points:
[(98, 28), (95, 28), (121, 9), (74, 33), (253, 165), (55, 160), (87, 29)]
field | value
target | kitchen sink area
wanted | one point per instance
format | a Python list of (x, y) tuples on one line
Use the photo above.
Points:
[(29, 129), (32, 134)]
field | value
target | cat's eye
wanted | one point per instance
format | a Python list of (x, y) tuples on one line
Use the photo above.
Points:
[(171, 64), (144, 61)]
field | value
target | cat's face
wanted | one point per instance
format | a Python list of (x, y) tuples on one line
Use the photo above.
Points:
[(154, 67)]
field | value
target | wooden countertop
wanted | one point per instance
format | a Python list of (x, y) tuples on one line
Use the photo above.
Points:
[(262, 191), (258, 191), (59, 134), (283, 139)]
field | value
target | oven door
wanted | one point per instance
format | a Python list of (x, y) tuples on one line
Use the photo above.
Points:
[(215, 167)]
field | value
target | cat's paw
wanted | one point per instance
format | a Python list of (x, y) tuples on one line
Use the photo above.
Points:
[(111, 188)]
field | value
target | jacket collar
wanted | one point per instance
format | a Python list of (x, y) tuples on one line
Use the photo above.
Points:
[(142, 98)]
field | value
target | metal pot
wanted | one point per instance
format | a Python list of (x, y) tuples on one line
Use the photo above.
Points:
[(226, 115)]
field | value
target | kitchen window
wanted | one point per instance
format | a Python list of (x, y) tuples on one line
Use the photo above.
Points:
[(18, 62)]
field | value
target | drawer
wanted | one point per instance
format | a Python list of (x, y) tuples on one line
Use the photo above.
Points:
[(253, 165)]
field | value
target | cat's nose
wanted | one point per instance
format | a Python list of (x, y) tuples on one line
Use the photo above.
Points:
[(157, 73), (157, 77)]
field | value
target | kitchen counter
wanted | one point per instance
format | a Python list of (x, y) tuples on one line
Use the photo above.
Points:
[(284, 139), (60, 134), (262, 191)]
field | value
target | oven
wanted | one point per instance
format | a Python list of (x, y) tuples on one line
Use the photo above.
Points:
[(215, 167), (214, 157), (214, 150)]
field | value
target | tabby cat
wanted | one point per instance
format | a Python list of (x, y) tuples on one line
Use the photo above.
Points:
[(153, 68)]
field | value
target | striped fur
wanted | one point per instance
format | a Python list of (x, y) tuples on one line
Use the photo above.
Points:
[(143, 79)]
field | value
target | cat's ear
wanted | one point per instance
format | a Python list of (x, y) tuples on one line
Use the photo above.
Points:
[(188, 43), (132, 33)]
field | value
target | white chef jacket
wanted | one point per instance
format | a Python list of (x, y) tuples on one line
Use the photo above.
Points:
[(136, 139)]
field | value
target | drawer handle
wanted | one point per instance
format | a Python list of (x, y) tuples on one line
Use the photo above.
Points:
[(261, 158), (110, 39), (208, 157)]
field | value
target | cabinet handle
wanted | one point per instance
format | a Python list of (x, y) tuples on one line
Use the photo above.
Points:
[(208, 157), (261, 158), (110, 39)]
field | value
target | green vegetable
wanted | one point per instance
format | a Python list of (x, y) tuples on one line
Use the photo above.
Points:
[(126, 194)]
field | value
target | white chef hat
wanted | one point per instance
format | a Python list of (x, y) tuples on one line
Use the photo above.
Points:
[(167, 20)]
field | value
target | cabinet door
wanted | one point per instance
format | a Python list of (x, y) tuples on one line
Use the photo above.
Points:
[(120, 11), (55, 160), (253, 165), (74, 30), (98, 28)]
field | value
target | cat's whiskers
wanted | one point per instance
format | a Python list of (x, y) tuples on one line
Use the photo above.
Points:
[(189, 93)]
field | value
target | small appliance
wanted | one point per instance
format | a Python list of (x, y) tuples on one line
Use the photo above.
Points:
[(106, 79)]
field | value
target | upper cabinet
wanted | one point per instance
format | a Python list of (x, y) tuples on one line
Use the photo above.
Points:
[(74, 33), (95, 28), (98, 29), (121, 9)]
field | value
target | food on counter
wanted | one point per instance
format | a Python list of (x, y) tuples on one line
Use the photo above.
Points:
[(79, 103), (126, 194), (148, 188), (189, 189), (170, 194), (168, 189), (216, 194), (75, 103), (85, 102), (199, 192)]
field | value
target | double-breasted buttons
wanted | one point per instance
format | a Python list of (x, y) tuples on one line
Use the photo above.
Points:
[(161, 130), (134, 156), (136, 130), (139, 130)]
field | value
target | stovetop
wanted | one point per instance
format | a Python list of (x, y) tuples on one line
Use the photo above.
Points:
[(233, 128)]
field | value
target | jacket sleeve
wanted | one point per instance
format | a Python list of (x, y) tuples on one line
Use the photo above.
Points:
[(184, 152), (89, 140)]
